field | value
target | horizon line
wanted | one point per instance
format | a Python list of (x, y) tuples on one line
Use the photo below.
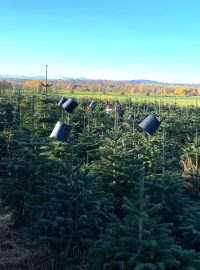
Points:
[(62, 77)]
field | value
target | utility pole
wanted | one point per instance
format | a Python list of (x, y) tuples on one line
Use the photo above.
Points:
[(46, 79), (46, 84)]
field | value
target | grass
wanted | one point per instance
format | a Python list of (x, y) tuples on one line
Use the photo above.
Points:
[(19, 253), (179, 100)]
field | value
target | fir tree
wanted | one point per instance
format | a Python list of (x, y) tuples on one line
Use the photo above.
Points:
[(141, 242), (117, 169), (75, 213)]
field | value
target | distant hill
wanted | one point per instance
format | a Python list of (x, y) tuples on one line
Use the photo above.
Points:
[(21, 77), (159, 83), (32, 77), (87, 80), (146, 82)]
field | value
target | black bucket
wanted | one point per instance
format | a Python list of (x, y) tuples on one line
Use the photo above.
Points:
[(70, 105), (62, 100), (60, 132), (150, 124)]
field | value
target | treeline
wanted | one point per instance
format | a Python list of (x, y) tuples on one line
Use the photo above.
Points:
[(148, 89), (103, 86), (5, 85)]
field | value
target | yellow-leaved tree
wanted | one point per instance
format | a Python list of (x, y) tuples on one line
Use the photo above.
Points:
[(35, 85), (180, 91)]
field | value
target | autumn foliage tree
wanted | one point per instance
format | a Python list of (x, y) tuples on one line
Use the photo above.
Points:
[(33, 85), (180, 91)]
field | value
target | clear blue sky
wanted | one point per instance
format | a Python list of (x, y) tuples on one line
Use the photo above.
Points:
[(108, 39)]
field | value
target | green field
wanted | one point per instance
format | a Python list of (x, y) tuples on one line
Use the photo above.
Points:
[(179, 100)]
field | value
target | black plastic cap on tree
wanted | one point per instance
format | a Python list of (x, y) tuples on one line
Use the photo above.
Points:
[(70, 105), (130, 117), (62, 100), (60, 132), (150, 124)]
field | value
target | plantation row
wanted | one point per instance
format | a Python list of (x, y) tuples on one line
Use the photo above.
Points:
[(110, 197)]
